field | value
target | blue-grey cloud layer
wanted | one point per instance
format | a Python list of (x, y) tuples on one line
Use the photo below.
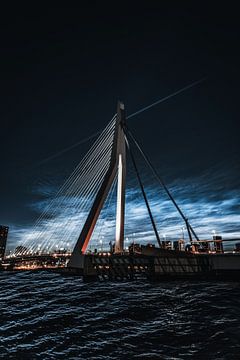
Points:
[(210, 200)]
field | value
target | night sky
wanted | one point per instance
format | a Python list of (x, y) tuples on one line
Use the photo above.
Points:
[(63, 70)]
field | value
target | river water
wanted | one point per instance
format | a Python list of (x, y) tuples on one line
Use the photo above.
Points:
[(48, 316)]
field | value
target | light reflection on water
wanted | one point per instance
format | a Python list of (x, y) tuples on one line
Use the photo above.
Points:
[(47, 316)]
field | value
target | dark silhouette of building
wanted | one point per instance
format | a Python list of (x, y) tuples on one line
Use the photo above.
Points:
[(3, 240), (218, 245)]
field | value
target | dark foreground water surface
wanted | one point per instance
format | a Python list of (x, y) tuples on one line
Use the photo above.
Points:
[(47, 316)]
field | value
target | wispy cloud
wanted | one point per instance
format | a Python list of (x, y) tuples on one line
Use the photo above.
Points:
[(209, 200)]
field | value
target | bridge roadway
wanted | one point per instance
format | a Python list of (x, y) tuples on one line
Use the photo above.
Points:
[(159, 264), (35, 262)]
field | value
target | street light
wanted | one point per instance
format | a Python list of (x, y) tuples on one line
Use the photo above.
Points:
[(183, 233), (101, 243), (133, 239)]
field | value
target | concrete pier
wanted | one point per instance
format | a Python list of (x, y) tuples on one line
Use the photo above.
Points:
[(162, 266)]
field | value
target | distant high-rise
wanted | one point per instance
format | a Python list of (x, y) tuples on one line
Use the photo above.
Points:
[(3, 240)]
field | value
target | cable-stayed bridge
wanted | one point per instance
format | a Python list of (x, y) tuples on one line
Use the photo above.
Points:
[(63, 232), (69, 220), (96, 177)]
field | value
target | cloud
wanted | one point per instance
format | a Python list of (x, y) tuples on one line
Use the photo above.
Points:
[(205, 200)]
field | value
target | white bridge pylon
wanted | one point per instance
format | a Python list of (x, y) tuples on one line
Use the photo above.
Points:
[(117, 166)]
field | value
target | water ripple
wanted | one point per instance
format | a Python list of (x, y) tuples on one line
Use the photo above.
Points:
[(47, 316)]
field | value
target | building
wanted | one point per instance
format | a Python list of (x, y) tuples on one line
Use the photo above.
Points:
[(3, 240)]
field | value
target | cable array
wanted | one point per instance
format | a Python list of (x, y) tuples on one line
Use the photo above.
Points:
[(59, 225)]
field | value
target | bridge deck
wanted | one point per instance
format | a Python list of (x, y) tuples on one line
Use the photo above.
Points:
[(161, 265)]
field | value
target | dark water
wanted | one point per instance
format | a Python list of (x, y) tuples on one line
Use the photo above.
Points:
[(47, 316)]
